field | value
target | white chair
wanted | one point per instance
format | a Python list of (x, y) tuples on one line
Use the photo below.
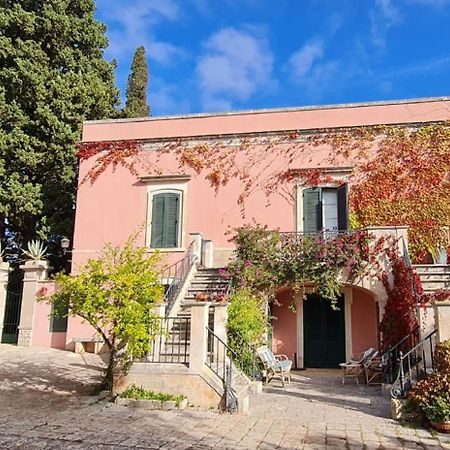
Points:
[(275, 364)]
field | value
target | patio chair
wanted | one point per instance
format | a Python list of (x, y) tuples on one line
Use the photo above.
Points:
[(275, 364), (355, 366), (373, 369)]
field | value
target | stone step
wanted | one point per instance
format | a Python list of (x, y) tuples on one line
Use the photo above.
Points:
[(212, 282), (434, 276), (435, 284), (432, 268)]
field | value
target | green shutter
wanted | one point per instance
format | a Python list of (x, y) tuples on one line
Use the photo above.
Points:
[(312, 210), (165, 217), (342, 201), (171, 211)]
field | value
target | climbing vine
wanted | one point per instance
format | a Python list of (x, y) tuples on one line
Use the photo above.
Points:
[(400, 176), (404, 291)]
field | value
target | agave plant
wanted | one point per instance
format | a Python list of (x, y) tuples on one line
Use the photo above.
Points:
[(36, 250)]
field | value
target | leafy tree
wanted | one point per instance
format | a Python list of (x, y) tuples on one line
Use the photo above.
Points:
[(115, 294), (52, 78), (136, 105)]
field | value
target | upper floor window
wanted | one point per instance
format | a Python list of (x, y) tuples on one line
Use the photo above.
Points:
[(165, 220), (325, 208)]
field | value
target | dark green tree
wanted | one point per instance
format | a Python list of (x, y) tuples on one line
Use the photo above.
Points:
[(52, 77), (136, 104)]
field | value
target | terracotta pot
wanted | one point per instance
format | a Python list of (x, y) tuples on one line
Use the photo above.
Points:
[(201, 297), (443, 427)]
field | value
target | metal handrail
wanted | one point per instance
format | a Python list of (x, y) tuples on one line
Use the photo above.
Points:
[(220, 359), (170, 343), (414, 360), (390, 356), (178, 273), (246, 359)]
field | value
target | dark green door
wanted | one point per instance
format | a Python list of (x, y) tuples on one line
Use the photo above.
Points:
[(324, 332)]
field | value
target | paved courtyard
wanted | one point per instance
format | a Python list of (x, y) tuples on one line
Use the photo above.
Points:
[(45, 404)]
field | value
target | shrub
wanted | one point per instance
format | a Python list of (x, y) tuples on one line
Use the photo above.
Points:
[(442, 357), (246, 317), (439, 410), (426, 392), (139, 393)]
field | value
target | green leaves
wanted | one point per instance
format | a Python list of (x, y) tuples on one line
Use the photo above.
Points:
[(115, 294), (52, 78), (137, 105)]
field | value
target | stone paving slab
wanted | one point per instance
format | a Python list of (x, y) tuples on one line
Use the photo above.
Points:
[(45, 404)]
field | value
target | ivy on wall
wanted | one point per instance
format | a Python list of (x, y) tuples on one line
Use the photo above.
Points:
[(401, 176)]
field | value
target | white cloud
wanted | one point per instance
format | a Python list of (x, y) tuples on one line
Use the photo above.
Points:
[(235, 65), (382, 18), (134, 25), (301, 62)]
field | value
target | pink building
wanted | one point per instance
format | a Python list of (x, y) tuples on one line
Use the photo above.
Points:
[(170, 204)]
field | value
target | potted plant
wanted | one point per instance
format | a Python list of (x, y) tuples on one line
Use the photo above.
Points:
[(36, 251), (438, 413), (432, 394)]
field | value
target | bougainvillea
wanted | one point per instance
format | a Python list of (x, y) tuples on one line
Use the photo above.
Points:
[(267, 259), (400, 175)]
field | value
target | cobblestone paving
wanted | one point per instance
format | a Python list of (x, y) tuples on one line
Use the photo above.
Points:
[(45, 404)]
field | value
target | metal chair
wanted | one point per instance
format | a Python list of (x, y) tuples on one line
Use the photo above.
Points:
[(355, 366), (275, 364)]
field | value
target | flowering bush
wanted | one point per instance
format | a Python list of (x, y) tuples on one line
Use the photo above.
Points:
[(267, 259)]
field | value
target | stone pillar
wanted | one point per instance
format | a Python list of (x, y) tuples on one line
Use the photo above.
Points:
[(220, 320), (199, 336), (197, 239), (399, 233), (442, 319), (220, 326), (34, 271), (207, 254), (4, 272)]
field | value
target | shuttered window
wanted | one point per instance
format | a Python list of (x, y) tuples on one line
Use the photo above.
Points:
[(313, 214), (165, 220)]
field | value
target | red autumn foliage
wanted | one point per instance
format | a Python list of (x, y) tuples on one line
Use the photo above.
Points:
[(403, 292)]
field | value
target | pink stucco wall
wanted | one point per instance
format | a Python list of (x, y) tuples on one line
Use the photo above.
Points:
[(284, 339), (115, 205), (42, 337), (364, 321), (395, 112)]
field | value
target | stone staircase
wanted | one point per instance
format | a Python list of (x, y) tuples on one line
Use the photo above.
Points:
[(433, 277), (205, 281), (177, 343)]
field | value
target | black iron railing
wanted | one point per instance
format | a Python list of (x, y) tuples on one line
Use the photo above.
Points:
[(220, 359), (177, 274), (390, 356), (170, 343), (246, 356), (415, 364)]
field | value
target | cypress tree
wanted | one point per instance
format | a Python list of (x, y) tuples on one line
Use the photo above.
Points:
[(52, 78), (136, 104)]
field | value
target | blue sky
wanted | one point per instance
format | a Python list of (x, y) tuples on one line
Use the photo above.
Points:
[(222, 55)]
